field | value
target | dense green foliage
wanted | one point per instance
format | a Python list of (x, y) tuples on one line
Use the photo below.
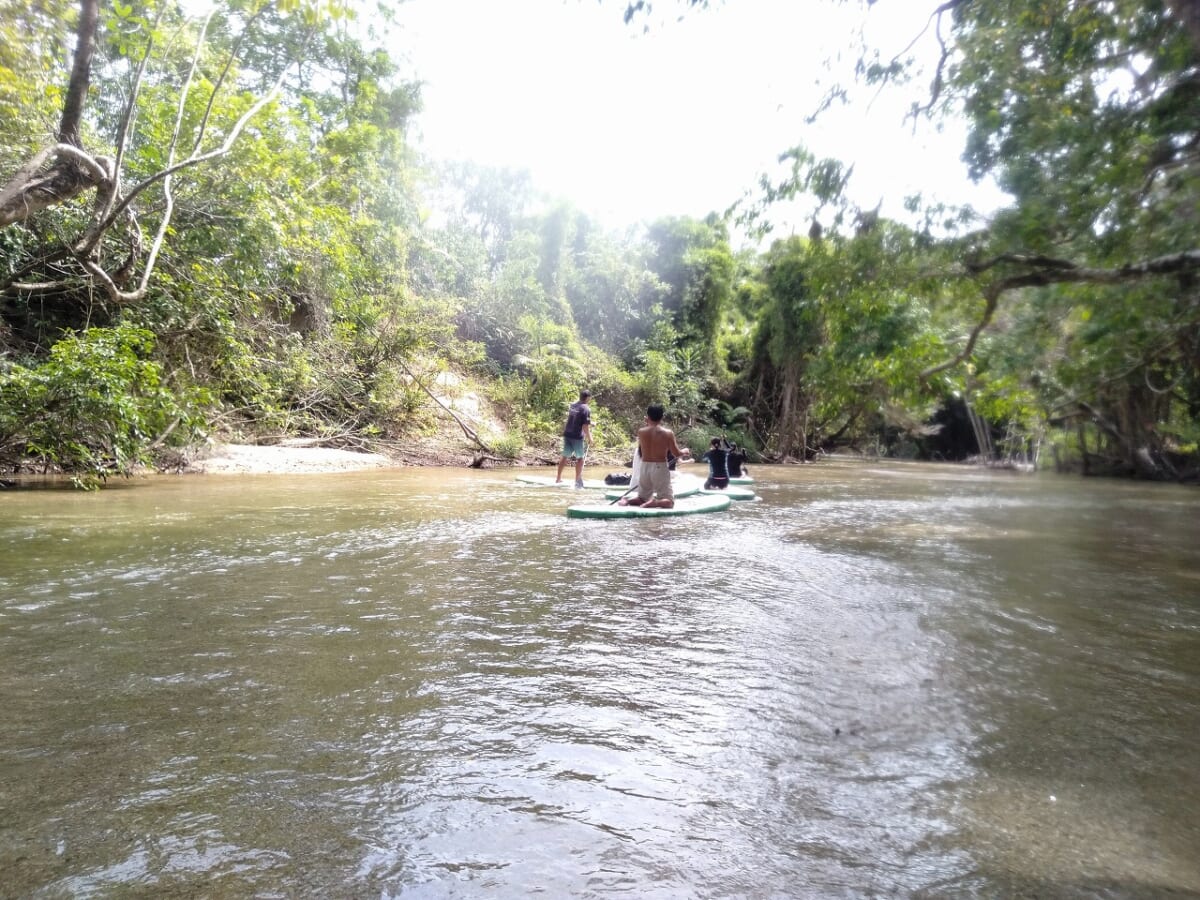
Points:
[(97, 404), (1089, 115), (238, 240)]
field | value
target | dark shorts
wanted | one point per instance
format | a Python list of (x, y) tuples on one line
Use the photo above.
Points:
[(719, 483)]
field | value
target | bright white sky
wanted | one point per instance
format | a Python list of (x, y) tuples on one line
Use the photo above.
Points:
[(630, 126)]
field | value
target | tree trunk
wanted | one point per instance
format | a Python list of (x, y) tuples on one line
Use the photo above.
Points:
[(81, 71), (1188, 13), (983, 439), (789, 403), (72, 171)]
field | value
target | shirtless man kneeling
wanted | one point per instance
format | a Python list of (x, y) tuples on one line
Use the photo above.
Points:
[(655, 441)]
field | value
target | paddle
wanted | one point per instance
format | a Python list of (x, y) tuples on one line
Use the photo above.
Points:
[(632, 488)]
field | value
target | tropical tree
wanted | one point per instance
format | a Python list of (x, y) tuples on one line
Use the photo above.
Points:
[(1086, 114), (693, 261), (611, 291), (790, 329), (276, 272), (99, 150)]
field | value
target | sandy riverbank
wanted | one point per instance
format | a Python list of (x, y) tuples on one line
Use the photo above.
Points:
[(298, 459), (247, 459)]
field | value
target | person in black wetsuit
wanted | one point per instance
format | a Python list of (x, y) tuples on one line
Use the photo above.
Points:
[(737, 459), (717, 458)]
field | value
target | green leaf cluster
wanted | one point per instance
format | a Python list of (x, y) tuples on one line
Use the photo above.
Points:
[(94, 407)]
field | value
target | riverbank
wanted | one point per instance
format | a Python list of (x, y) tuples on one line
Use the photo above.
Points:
[(250, 459), (300, 458)]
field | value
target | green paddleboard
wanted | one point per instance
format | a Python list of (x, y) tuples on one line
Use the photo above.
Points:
[(697, 503), (742, 479), (594, 484), (733, 492)]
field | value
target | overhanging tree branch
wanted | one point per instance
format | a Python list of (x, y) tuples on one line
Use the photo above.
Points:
[(1049, 270), (939, 75), (72, 170), (28, 192), (1045, 270)]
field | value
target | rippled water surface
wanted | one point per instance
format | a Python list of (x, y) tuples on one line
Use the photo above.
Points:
[(880, 680)]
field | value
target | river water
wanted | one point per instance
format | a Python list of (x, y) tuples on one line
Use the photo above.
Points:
[(881, 680)]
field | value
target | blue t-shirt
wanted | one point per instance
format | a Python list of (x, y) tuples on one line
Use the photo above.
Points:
[(579, 415)]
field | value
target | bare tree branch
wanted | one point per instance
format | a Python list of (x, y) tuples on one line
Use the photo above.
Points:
[(935, 89), (13, 281), (466, 429), (233, 55), (39, 287), (75, 171), (168, 197), (21, 178), (27, 192), (128, 116)]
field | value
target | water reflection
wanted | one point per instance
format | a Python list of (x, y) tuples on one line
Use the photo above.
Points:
[(880, 680)]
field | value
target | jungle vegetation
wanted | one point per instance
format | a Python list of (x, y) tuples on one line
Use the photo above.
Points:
[(216, 225)]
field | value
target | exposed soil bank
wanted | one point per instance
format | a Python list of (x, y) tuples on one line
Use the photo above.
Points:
[(279, 459), (298, 459)]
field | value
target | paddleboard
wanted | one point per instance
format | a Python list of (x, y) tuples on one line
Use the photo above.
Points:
[(697, 503), (594, 484), (685, 486), (741, 479), (733, 492)]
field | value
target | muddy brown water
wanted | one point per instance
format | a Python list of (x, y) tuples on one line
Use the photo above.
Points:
[(881, 680)]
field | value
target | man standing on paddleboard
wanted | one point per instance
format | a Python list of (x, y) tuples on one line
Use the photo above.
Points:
[(577, 434), (656, 443)]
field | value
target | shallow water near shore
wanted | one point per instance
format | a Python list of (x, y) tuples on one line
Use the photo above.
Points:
[(883, 679)]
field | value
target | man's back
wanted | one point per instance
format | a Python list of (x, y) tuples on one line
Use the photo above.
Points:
[(578, 415), (655, 441)]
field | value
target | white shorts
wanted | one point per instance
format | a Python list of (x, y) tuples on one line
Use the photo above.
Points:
[(655, 479)]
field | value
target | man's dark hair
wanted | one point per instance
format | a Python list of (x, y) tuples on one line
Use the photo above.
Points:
[(715, 442), (654, 413), (583, 395)]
